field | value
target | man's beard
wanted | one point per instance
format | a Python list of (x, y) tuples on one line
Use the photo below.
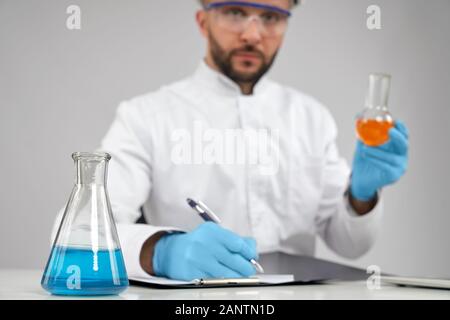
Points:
[(223, 60)]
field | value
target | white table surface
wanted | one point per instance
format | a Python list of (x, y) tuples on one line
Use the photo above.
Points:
[(25, 285)]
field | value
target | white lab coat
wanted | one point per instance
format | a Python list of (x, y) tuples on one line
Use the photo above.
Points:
[(284, 206)]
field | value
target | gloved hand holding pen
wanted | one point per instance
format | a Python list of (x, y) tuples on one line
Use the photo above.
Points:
[(376, 167), (209, 251)]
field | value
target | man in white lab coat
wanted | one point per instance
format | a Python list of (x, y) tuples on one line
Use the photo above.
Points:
[(261, 155)]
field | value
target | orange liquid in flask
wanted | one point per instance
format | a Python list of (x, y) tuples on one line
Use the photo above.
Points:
[(372, 132)]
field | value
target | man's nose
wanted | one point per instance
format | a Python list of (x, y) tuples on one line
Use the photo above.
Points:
[(251, 33)]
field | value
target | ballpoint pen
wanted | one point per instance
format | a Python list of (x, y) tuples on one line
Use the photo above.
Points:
[(208, 215)]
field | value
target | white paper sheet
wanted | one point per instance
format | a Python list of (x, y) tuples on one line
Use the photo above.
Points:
[(264, 278)]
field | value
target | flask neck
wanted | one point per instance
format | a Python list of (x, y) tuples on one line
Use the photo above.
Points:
[(91, 168), (378, 92)]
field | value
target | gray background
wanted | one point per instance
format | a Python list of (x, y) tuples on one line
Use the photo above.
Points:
[(59, 90)]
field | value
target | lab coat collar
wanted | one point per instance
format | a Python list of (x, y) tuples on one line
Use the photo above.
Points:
[(221, 84)]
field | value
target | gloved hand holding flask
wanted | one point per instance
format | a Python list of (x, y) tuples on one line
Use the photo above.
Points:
[(381, 156)]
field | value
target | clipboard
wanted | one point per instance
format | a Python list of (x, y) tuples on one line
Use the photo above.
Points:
[(291, 270), (260, 280)]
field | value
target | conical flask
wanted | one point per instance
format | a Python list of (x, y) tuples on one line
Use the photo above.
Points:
[(86, 258), (374, 122)]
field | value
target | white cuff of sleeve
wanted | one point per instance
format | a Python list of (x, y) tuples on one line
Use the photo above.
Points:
[(353, 215), (132, 237)]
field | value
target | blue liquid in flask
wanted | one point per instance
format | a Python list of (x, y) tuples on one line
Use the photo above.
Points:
[(82, 271)]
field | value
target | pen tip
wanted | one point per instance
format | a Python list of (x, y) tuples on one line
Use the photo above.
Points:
[(258, 267)]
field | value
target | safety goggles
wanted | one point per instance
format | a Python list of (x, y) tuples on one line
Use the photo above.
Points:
[(232, 16)]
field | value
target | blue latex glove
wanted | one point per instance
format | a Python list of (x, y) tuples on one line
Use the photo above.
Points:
[(376, 167), (209, 251)]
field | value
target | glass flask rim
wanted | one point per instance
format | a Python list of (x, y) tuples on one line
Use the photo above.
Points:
[(380, 75), (91, 156)]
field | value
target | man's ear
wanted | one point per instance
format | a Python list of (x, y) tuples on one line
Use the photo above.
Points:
[(202, 22)]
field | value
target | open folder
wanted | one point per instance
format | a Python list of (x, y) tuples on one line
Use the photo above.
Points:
[(281, 269)]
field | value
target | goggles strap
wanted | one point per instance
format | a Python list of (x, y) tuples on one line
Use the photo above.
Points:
[(215, 5)]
